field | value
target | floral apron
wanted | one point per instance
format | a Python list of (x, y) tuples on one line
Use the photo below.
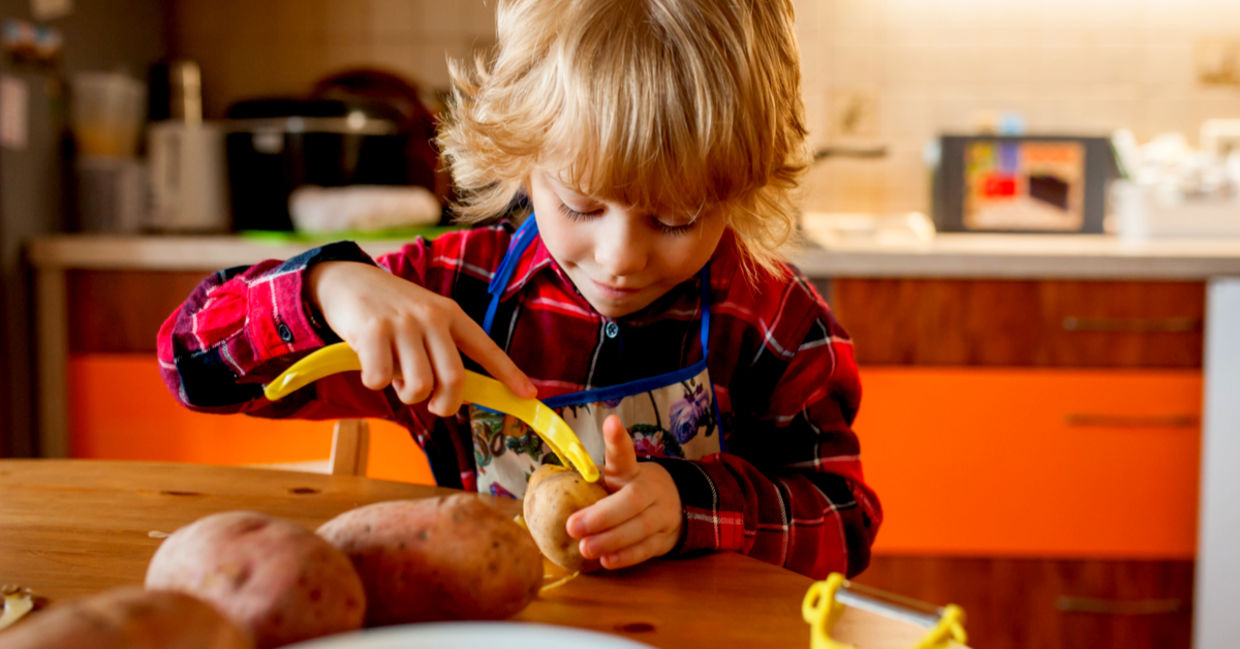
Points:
[(669, 415)]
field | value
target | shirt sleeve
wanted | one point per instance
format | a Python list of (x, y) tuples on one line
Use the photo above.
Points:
[(789, 489), (240, 328)]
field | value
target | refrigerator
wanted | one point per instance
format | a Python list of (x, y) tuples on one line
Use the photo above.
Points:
[(35, 161)]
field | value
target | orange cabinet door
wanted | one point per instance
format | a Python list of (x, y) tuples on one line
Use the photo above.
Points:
[(1033, 462), (120, 409)]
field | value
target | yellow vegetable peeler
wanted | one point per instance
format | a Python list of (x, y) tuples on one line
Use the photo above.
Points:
[(826, 599), (479, 390)]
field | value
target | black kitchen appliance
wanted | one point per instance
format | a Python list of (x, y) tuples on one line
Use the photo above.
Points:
[(275, 145)]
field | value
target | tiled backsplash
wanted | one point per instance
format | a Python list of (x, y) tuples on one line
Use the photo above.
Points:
[(249, 48), (877, 72), (915, 68)]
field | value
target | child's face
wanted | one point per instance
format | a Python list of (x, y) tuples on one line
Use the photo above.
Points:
[(620, 259)]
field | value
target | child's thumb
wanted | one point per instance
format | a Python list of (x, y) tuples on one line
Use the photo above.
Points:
[(620, 459)]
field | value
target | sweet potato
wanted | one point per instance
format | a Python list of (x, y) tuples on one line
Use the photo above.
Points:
[(128, 618), (447, 558), (552, 494), (273, 577)]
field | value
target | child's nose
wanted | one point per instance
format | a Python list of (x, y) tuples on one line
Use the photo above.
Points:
[(621, 249)]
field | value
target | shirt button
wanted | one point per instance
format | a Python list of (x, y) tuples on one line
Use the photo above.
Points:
[(286, 334), (611, 329)]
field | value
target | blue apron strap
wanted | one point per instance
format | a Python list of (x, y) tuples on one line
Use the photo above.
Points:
[(705, 332), (499, 281)]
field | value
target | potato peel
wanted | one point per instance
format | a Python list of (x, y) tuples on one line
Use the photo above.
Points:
[(18, 601), (559, 582)]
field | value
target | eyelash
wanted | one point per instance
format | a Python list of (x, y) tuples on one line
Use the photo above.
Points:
[(673, 230), (574, 215)]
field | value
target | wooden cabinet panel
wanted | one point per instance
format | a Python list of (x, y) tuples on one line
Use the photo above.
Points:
[(1033, 462), (1024, 323), (120, 311), (901, 321), (1051, 603)]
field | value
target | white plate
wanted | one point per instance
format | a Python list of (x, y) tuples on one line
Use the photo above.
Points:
[(471, 635)]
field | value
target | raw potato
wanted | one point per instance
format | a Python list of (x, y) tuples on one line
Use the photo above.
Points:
[(128, 618), (552, 494), (447, 558), (273, 577)]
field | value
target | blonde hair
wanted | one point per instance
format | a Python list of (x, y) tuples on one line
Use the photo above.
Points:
[(673, 105)]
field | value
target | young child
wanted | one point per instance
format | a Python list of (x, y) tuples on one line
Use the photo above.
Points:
[(657, 142)]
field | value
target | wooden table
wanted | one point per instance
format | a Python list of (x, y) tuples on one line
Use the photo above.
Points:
[(75, 527)]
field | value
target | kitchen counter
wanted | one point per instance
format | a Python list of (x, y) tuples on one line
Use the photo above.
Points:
[(1215, 261), (1023, 256), (946, 255)]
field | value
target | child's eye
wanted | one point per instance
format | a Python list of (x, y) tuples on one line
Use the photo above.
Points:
[(678, 229), (576, 215)]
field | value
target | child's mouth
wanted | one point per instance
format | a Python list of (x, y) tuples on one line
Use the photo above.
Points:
[(613, 292)]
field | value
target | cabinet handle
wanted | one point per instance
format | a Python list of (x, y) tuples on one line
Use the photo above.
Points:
[(1131, 325), (1076, 604), (1131, 421)]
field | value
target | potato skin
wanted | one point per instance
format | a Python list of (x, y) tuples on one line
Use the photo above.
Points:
[(273, 577), (446, 558), (552, 494), (128, 617)]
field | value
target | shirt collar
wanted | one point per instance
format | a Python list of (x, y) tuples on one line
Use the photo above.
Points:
[(533, 260)]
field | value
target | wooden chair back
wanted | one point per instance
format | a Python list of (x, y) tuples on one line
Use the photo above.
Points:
[(350, 447)]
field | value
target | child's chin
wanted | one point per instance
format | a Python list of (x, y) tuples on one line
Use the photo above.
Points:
[(613, 310)]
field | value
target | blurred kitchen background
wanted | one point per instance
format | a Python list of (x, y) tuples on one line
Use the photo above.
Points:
[(134, 124), (891, 73), (883, 78), (900, 72), (879, 74)]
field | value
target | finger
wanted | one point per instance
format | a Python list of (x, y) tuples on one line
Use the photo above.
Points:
[(376, 359), (612, 511), (619, 456), (476, 344), (613, 539), (649, 548), (415, 376), (449, 374)]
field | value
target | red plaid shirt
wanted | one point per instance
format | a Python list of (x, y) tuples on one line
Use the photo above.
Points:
[(788, 489)]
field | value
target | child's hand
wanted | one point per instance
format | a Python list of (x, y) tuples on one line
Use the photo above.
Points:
[(641, 517), (406, 335)]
